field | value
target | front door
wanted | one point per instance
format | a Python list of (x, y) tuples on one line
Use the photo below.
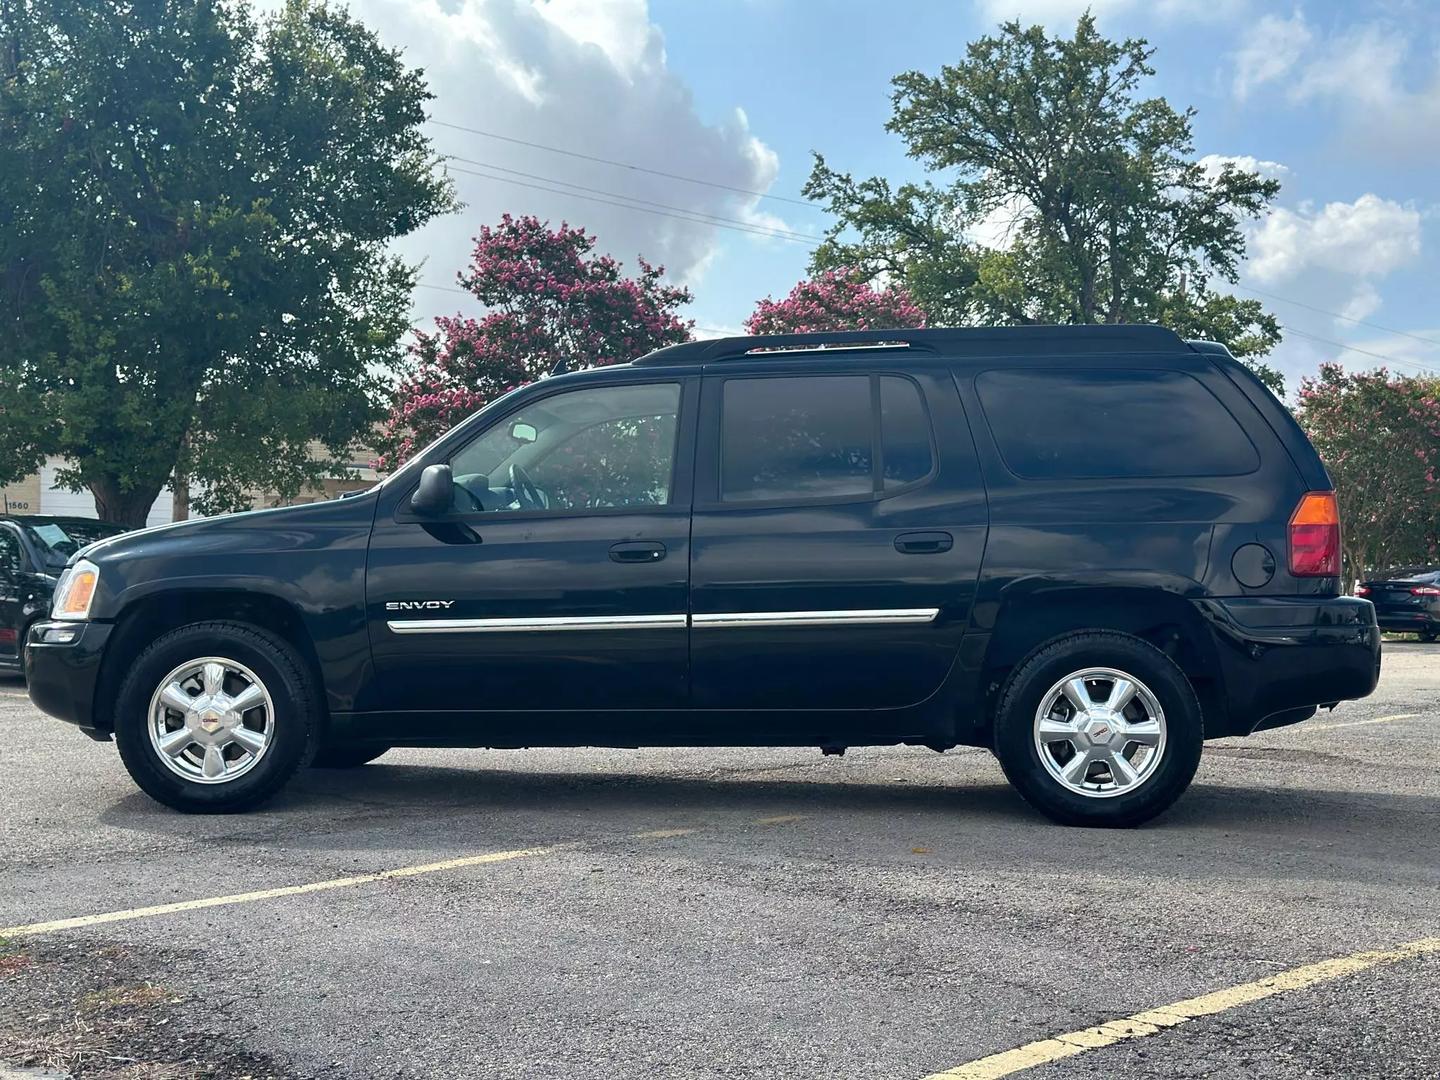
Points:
[(559, 580), (835, 547)]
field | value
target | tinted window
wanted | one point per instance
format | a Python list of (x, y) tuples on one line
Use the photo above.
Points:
[(596, 448), (797, 438), (9, 552), (904, 431), (58, 542), (1098, 424)]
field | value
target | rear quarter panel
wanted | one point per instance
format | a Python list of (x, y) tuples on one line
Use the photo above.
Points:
[(1176, 534)]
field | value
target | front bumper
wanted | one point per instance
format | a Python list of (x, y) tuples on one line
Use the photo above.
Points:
[(62, 673), (1281, 657)]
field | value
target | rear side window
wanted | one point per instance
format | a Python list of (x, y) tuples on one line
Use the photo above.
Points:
[(1089, 424), (797, 438), (803, 437), (904, 432)]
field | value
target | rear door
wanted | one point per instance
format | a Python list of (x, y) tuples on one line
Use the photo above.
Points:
[(836, 540)]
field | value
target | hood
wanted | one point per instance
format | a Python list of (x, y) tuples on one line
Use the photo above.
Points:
[(200, 530)]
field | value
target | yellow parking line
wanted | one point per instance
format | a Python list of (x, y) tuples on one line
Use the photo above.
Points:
[(1363, 723), (270, 894), (321, 886), (1153, 1021)]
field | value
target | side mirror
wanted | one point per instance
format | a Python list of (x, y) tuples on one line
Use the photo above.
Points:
[(436, 493), (522, 432)]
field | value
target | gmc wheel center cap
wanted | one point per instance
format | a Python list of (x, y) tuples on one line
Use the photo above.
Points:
[(1101, 729)]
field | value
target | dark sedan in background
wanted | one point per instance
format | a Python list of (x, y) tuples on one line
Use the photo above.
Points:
[(33, 551), (1406, 600)]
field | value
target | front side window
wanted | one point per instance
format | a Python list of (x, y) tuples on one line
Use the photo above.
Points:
[(591, 449)]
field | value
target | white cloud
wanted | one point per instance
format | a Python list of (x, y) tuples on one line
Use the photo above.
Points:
[(1386, 97), (1214, 164), (997, 229), (590, 76), (1369, 237), (1269, 49)]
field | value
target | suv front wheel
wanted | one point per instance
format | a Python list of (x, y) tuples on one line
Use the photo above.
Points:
[(216, 717), (1099, 728)]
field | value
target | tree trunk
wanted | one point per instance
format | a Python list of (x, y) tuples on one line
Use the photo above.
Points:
[(127, 509), (180, 484), (180, 507)]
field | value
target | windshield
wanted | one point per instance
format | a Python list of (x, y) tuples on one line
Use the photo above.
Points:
[(57, 542)]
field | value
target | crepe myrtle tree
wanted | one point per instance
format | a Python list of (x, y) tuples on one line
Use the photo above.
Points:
[(548, 297), (196, 213), (838, 299), (1379, 436)]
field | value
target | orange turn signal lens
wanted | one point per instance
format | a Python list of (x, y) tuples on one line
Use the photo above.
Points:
[(75, 592), (1317, 508)]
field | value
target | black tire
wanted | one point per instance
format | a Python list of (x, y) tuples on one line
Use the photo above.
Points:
[(1427, 637), (346, 755), (1031, 682), (296, 719)]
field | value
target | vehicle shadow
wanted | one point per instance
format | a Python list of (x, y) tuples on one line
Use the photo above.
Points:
[(427, 809)]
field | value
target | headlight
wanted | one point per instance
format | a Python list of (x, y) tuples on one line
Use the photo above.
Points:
[(75, 591)]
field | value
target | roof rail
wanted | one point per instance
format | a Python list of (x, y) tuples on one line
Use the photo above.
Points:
[(959, 341)]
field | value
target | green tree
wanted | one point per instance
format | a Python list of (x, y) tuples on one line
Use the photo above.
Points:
[(1105, 215), (195, 213), (1379, 436)]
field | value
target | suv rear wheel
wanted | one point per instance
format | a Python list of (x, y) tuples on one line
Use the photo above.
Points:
[(1099, 728), (215, 717)]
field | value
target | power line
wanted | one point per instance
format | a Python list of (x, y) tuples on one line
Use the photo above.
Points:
[(1352, 348), (755, 230), (1337, 315), (789, 234), (462, 292), (624, 164)]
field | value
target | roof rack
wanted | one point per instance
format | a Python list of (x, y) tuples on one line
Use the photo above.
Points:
[(961, 341)]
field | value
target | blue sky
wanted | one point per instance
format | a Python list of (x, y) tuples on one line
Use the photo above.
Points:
[(1340, 101)]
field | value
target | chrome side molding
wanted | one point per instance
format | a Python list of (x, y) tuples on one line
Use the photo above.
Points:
[(844, 617), (677, 621), (563, 622)]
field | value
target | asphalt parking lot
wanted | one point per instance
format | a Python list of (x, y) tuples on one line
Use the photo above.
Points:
[(741, 913)]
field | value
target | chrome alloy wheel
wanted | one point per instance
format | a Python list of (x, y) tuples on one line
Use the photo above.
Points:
[(211, 720), (1100, 732)]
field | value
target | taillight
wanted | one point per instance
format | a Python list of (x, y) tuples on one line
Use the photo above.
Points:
[(1425, 590), (1315, 536), (1362, 590)]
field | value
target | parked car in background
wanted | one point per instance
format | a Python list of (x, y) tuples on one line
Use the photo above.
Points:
[(1406, 600), (33, 551)]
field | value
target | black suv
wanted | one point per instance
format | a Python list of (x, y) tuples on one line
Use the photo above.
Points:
[(1087, 548), (33, 551)]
